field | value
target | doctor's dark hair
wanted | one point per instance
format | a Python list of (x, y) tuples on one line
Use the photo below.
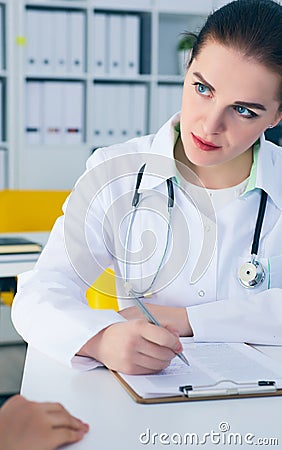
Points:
[(254, 27)]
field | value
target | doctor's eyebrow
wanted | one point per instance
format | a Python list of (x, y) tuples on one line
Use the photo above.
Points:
[(200, 77), (251, 105)]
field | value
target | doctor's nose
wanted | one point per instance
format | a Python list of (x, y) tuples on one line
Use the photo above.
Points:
[(213, 122)]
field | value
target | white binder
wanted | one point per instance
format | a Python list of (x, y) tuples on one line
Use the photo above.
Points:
[(111, 105), (124, 113), (99, 102), (162, 112), (46, 41), (1, 111), (169, 102), (176, 99), (3, 180), (115, 44), (34, 112), (60, 27), (100, 43), (73, 102), (52, 112), (1, 37), (131, 44), (139, 105), (76, 59), (32, 40)]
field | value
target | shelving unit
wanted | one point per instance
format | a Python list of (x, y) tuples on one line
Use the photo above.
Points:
[(43, 154), (54, 161), (3, 91)]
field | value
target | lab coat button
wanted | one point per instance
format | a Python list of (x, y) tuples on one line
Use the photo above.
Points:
[(201, 293)]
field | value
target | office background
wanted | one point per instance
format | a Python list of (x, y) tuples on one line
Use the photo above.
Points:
[(76, 75)]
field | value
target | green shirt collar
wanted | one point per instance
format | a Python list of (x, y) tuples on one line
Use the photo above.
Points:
[(253, 174)]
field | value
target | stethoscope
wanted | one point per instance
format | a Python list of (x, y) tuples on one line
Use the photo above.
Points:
[(251, 274)]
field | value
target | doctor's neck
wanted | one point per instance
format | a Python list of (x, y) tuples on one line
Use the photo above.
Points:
[(218, 176)]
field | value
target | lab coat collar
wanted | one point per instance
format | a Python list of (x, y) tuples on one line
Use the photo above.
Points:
[(160, 164), (269, 169)]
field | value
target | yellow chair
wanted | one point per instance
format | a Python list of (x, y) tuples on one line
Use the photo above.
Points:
[(27, 210), (23, 211), (102, 294)]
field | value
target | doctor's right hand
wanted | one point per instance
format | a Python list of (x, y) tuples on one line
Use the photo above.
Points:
[(133, 347)]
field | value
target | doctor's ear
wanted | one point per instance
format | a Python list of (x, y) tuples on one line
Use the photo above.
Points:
[(278, 118)]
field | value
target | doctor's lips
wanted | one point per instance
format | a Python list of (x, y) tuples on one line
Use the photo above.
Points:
[(204, 145)]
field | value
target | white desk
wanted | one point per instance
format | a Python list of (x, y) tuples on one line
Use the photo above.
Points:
[(117, 422)]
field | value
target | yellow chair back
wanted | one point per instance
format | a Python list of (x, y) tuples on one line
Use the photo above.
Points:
[(102, 294), (27, 210)]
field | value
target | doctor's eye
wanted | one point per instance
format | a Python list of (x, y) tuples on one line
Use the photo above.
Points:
[(245, 112), (202, 89)]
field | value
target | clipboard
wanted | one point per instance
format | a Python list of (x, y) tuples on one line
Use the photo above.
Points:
[(221, 389), (185, 398)]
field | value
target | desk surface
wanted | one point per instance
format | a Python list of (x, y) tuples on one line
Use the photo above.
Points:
[(117, 422)]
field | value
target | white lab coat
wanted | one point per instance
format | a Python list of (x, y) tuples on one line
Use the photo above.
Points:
[(50, 310)]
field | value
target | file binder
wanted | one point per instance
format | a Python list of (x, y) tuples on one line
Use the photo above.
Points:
[(131, 44), (139, 105), (217, 371), (76, 59), (73, 101), (100, 43), (60, 30), (100, 118), (45, 41), (125, 114), (32, 40), (3, 181), (115, 50), (2, 28), (52, 112), (2, 121), (34, 112)]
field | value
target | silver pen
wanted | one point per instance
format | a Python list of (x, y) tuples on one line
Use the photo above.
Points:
[(153, 320)]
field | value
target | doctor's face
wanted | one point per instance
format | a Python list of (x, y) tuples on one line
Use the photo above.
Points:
[(228, 101)]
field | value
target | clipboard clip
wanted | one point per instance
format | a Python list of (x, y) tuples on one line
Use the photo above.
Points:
[(260, 387)]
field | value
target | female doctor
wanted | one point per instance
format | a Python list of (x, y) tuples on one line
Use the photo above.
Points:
[(190, 218)]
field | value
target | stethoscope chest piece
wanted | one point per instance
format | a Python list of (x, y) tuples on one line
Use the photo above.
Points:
[(251, 274)]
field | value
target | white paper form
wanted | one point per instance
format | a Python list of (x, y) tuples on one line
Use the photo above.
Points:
[(209, 364)]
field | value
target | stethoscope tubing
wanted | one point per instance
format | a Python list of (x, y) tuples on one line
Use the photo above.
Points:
[(136, 201)]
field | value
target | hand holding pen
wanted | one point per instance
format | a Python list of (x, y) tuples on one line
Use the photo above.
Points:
[(142, 307)]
